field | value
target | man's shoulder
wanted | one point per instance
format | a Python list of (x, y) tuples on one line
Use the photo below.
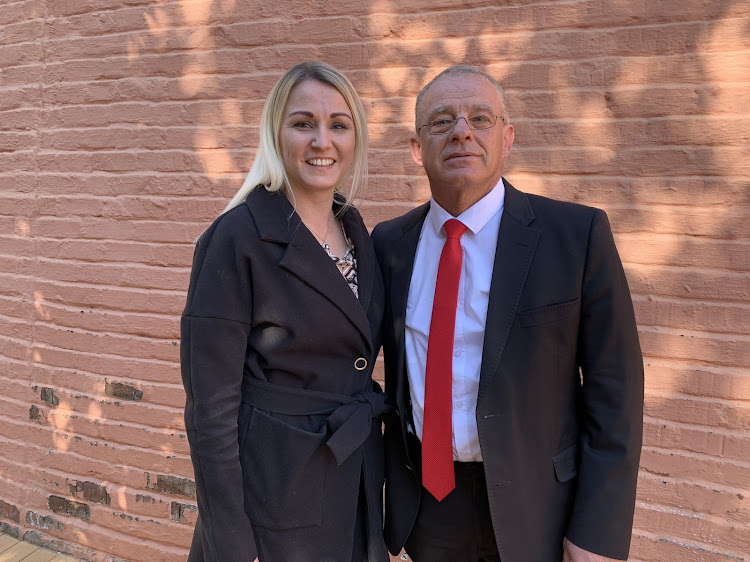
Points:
[(550, 212), (391, 229), (548, 206), (562, 223)]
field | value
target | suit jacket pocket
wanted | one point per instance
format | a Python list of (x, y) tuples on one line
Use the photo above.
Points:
[(283, 470), (566, 463), (548, 314)]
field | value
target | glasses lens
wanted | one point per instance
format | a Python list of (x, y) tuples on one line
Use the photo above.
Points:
[(441, 126), (482, 121)]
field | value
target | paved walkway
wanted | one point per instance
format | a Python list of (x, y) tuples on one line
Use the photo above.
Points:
[(13, 550)]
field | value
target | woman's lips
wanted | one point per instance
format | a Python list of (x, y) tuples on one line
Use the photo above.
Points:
[(320, 162)]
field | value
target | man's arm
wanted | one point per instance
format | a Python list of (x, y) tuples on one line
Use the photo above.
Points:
[(611, 435)]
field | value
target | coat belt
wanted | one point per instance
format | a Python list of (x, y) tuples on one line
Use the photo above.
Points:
[(349, 420)]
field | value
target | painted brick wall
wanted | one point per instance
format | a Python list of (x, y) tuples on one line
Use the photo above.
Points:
[(125, 125)]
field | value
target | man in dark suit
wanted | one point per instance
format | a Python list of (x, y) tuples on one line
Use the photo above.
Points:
[(511, 352)]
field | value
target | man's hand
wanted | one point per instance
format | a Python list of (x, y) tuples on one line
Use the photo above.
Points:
[(573, 553)]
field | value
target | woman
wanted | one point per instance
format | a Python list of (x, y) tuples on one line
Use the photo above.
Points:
[(279, 337)]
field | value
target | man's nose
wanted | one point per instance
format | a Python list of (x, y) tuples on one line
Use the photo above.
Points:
[(461, 129)]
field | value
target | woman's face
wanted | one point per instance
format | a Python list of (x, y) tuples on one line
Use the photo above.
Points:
[(317, 137)]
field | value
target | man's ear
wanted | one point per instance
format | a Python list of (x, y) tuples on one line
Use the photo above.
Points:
[(509, 135), (416, 149)]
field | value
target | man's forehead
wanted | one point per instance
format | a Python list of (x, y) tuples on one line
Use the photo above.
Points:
[(461, 90), (465, 103)]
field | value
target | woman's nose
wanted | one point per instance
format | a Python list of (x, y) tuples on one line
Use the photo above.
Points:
[(322, 138)]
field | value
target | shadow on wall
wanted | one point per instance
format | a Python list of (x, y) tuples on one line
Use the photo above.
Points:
[(627, 105)]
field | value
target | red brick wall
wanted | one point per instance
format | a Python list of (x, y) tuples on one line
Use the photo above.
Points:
[(125, 125)]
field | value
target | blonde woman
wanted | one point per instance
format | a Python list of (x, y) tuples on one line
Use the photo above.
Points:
[(279, 337)]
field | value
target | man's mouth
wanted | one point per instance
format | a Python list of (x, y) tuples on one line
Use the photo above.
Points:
[(460, 155)]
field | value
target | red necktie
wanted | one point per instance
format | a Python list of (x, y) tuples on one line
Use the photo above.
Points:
[(437, 430)]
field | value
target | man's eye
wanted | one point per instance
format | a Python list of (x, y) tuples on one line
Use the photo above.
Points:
[(480, 119), (441, 122)]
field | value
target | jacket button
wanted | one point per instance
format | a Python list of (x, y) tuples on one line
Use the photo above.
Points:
[(360, 364)]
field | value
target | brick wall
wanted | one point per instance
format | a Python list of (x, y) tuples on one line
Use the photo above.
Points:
[(125, 125)]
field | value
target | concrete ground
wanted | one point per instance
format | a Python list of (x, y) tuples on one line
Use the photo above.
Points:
[(13, 550)]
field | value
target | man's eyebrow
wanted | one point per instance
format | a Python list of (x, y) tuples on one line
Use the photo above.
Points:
[(483, 107), (451, 110), (441, 109)]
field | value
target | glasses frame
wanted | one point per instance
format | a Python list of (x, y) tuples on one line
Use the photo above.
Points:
[(502, 118)]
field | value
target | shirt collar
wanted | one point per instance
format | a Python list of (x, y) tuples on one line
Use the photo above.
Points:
[(475, 217)]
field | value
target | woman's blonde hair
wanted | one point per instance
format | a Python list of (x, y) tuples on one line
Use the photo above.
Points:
[(268, 168)]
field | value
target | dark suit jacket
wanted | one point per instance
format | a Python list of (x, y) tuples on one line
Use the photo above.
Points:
[(277, 356), (560, 457)]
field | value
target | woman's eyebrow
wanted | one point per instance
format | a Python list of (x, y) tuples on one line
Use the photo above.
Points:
[(311, 115)]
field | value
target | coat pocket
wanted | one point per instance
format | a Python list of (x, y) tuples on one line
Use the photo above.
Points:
[(548, 314), (283, 469), (566, 463)]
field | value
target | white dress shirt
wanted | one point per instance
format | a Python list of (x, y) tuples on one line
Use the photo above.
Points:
[(478, 246)]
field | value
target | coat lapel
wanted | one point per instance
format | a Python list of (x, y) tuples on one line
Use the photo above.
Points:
[(516, 245), (365, 252), (277, 222)]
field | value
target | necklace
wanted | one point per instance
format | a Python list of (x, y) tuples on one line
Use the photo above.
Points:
[(324, 239)]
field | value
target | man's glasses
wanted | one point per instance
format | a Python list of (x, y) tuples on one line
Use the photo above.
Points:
[(476, 122)]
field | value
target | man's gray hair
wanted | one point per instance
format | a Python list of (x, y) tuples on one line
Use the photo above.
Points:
[(459, 70)]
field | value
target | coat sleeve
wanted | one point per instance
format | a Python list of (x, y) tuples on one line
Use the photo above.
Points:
[(214, 331), (612, 371)]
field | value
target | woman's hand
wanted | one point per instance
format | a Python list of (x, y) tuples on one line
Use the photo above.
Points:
[(573, 553)]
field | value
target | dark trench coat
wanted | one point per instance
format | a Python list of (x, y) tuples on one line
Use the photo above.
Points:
[(281, 412)]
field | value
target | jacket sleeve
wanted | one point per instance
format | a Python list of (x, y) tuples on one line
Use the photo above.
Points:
[(612, 372), (214, 331)]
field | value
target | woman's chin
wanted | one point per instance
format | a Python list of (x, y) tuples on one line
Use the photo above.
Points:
[(315, 185)]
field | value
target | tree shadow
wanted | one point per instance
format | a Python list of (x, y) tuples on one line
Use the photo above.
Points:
[(149, 124)]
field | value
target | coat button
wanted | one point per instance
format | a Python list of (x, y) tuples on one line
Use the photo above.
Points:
[(360, 364)]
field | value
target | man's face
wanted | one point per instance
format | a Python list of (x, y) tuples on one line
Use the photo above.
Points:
[(464, 164)]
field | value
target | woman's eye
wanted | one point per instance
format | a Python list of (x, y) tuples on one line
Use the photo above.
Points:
[(340, 126), (302, 125)]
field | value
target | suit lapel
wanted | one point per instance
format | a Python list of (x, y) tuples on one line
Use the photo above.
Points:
[(303, 257), (516, 245), (401, 266)]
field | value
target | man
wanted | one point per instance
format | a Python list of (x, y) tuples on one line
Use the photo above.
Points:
[(511, 352)]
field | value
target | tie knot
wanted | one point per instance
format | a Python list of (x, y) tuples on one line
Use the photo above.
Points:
[(454, 228)]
